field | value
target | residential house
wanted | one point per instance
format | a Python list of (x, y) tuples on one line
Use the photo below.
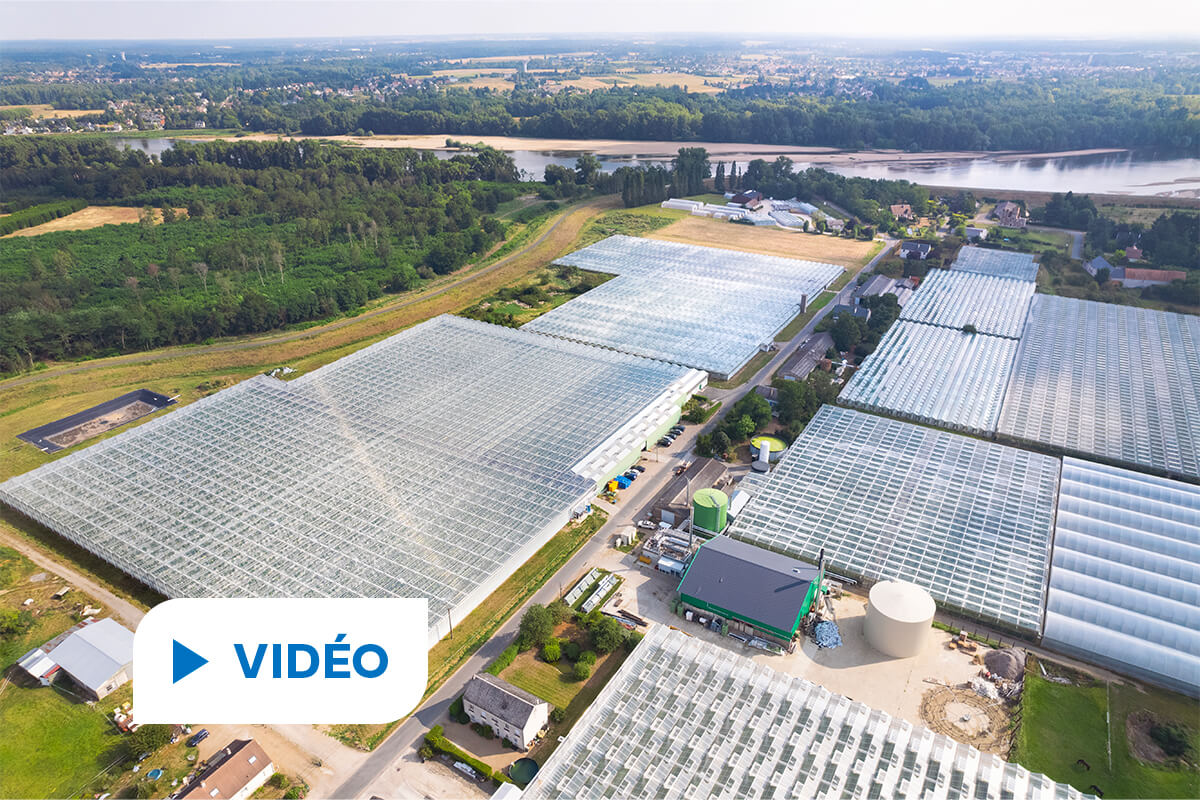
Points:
[(834, 224), (514, 714), (751, 198), (234, 773), (976, 234), (862, 312), (1009, 215), (917, 250), (1133, 253), (1098, 263), (902, 211), (97, 655)]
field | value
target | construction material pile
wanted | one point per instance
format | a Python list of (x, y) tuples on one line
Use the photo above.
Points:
[(1008, 663), (826, 635)]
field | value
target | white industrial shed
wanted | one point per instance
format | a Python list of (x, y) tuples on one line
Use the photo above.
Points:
[(683, 718), (966, 519), (1125, 580), (703, 307), (430, 464), (1118, 382), (1001, 263), (935, 375), (994, 305)]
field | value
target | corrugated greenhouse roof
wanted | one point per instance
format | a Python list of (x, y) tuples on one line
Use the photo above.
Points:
[(683, 718), (1002, 263), (994, 305)]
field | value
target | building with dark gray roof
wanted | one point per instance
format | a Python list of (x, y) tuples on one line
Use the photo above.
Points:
[(513, 713), (755, 590)]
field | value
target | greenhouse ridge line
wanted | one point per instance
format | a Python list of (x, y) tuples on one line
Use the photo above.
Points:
[(283, 338)]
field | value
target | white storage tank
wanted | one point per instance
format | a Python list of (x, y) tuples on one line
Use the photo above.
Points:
[(899, 618)]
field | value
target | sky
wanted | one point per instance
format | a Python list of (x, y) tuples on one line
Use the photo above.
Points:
[(917, 24)]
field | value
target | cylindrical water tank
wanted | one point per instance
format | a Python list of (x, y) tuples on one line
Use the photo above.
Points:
[(899, 618), (710, 509)]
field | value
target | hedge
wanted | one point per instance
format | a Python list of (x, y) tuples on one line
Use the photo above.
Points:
[(437, 740), (36, 215), (503, 660)]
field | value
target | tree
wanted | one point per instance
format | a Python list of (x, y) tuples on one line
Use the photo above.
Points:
[(148, 739), (587, 167), (689, 168), (607, 635), (721, 443), (969, 328), (536, 626), (581, 671), (719, 180), (201, 269), (14, 622), (551, 651), (847, 331)]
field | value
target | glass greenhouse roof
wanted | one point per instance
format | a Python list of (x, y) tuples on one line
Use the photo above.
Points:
[(1117, 382), (684, 718), (1125, 581), (952, 299), (935, 375), (701, 306), (1001, 263), (429, 464), (966, 519)]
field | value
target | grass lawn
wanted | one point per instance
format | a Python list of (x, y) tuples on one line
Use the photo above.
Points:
[(552, 682), (52, 745), (1061, 724), (796, 325)]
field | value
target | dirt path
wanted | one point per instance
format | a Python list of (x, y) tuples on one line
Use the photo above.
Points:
[(547, 246), (118, 607)]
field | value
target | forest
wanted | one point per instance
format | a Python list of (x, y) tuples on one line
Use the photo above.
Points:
[(254, 236)]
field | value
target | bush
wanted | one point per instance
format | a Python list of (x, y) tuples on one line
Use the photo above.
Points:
[(426, 752), (587, 657), (457, 713), (551, 651), (483, 730), (293, 793), (436, 740), (14, 622), (149, 738), (633, 637), (503, 660), (279, 780), (557, 714), (559, 611), (607, 635), (1172, 738), (582, 670), (571, 651)]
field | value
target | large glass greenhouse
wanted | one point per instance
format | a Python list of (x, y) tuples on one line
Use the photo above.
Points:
[(700, 306), (1001, 263), (969, 520), (683, 718), (940, 376), (1118, 382), (950, 298), (1125, 581), (430, 464)]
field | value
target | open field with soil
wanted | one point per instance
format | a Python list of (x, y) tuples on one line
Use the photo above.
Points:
[(91, 217), (45, 111), (849, 253)]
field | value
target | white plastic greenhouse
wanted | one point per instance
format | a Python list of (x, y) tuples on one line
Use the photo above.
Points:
[(1118, 382), (1125, 582), (1001, 263), (994, 305), (430, 464), (940, 376), (700, 306), (683, 718), (968, 520)]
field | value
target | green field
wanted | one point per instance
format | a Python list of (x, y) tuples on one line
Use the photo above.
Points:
[(551, 682), (1061, 724)]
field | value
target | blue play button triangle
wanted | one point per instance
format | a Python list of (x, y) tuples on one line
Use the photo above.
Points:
[(184, 661)]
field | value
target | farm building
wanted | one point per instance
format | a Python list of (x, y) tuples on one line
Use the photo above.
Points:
[(966, 519), (935, 375), (430, 464), (1002, 263), (1125, 579), (514, 714), (703, 307), (1115, 382), (97, 655), (683, 718), (756, 592)]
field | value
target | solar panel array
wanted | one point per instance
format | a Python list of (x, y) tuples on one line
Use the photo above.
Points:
[(1125, 582), (1118, 382), (940, 376), (684, 718), (701, 306), (430, 464), (1001, 263), (969, 520), (995, 306)]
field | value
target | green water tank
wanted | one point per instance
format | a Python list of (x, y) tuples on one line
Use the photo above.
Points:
[(710, 508)]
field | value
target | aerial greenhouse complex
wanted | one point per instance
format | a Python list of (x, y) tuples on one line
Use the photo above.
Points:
[(703, 307), (940, 376), (1000, 263), (1118, 382), (954, 299), (430, 464), (1125, 580), (685, 718), (969, 520)]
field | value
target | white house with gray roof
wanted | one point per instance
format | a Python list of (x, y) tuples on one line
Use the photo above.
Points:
[(513, 713)]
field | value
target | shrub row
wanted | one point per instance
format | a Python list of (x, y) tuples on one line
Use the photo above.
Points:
[(503, 660), (436, 739), (36, 215)]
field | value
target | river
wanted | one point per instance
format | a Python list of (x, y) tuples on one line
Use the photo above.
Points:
[(1132, 172)]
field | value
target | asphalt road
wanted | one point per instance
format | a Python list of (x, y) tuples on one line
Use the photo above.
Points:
[(660, 469)]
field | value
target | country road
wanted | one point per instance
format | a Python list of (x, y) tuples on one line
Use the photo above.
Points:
[(280, 338)]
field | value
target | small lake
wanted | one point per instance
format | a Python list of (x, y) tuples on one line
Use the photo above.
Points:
[(1128, 172)]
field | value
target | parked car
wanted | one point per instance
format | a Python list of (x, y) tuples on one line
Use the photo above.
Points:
[(646, 525), (638, 468), (633, 476), (677, 429), (664, 442), (198, 737)]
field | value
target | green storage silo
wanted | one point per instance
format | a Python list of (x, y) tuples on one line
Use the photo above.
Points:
[(710, 510)]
